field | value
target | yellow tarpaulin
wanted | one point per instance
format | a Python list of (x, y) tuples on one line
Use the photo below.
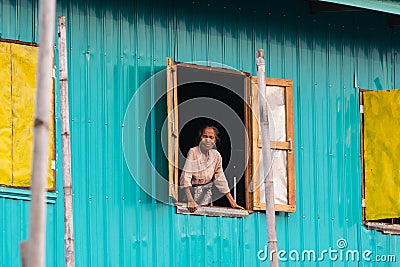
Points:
[(382, 154), (5, 115), (17, 84), (23, 60)]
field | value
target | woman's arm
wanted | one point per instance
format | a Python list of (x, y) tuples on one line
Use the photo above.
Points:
[(192, 205), (233, 202), (186, 178)]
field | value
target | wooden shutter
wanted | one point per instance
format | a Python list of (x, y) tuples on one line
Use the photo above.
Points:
[(18, 88), (283, 145), (380, 155)]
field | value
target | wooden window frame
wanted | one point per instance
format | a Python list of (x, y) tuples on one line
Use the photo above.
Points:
[(252, 198), (173, 144)]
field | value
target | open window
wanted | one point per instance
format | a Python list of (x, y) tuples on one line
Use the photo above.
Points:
[(18, 63), (199, 95), (380, 120)]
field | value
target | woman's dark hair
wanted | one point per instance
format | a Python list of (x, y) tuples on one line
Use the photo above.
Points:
[(216, 131)]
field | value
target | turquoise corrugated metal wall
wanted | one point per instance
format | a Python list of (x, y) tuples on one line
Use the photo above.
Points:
[(18, 21), (115, 46)]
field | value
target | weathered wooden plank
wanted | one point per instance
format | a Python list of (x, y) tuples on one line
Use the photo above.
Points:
[(181, 208)]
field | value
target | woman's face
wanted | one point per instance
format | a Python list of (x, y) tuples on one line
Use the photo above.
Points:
[(208, 139)]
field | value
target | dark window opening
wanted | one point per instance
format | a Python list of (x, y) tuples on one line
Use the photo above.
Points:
[(215, 99)]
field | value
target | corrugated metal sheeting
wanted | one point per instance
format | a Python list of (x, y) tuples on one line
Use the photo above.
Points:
[(115, 46), (388, 6)]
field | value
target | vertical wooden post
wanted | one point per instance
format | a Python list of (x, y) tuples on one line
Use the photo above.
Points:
[(267, 161), (23, 247), (66, 146), (37, 225)]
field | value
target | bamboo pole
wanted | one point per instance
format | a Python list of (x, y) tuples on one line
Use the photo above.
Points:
[(37, 225), (66, 146), (267, 161)]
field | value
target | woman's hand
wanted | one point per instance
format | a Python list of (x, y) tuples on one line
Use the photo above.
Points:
[(236, 206), (233, 202), (192, 206)]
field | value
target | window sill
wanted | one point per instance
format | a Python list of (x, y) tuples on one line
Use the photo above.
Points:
[(25, 194), (181, 208), (392, 229)]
